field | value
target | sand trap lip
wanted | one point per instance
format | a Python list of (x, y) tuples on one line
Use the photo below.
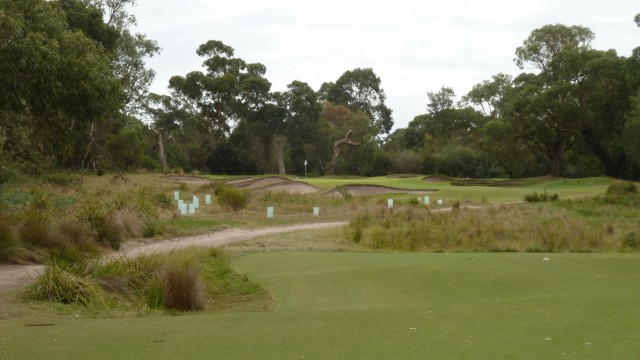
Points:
[(366, 190)]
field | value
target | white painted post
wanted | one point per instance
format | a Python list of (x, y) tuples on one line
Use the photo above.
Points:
[(207, 199), (316, 211), (196, 202), (176, 195), (192, 209), (180, 204), (426, 200), (270, 212), (440, 202), (390, 203), (183, 208)]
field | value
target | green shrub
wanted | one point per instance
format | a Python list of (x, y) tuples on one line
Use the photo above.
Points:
[(535, 197), (622, 188), (231, 198), (631, 240)]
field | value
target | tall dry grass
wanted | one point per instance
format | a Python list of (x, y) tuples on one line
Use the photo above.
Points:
[(516, 228)]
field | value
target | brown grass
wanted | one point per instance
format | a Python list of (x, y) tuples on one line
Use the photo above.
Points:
[(183, 288)]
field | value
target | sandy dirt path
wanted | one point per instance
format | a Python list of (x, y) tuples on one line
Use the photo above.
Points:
[(14, 276)]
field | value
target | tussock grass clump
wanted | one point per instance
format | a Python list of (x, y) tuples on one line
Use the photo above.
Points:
[(183, 287), (60, 284), (190, 280)]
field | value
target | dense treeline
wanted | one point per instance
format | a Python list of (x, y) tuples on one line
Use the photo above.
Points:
[(74, 95)]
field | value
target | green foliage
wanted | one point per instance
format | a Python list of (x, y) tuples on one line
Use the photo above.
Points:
[(59, 284), (622, 188), (631, 240), (231, 198), (184, 281), (61, 179), (534, 197)]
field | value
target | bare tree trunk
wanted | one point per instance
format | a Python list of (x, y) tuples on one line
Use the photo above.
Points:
[(161, 153), (279, 145), (337, 148)]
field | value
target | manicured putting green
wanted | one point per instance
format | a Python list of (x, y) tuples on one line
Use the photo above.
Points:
[(382, 306)]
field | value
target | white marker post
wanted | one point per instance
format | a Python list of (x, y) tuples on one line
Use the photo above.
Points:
[(196, 202), (316, 211), (176, 195), (270, 212), (183, 208), (207, 199), (390, 203), (426, 200), (192, 209), (440, 202)]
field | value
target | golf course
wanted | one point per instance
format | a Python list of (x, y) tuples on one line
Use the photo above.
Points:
[(323, 295)]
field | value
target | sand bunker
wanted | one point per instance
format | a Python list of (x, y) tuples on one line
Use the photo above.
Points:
[(437, 178), (275, 184), (192, 180), (367, 190)]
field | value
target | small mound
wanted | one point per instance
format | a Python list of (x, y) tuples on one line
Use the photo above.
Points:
[(367, 190), (437, 178)]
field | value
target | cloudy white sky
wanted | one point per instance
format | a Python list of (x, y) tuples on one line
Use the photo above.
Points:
[(413, 46)]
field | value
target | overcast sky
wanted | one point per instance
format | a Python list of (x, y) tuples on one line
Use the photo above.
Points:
[(413, 46)]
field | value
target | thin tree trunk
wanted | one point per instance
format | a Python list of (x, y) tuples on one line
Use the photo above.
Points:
[(279, 145), (557, 157), (162, 157)]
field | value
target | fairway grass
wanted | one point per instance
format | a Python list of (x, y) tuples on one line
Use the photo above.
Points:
[(350, 305)]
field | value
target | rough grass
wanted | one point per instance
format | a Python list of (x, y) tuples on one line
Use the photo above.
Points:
[(189, 280), (514, 228)]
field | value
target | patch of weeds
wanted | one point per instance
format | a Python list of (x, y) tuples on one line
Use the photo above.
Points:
[(536, 198), (631, 240), (622, 188)]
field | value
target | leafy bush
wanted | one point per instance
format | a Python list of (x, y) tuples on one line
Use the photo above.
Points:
[(231, 198), (622, 188), (631, 240), (535, 197)]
